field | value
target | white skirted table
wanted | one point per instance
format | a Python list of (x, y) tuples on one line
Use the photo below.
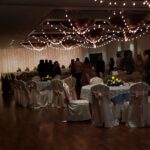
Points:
[(115, 92), (118, 95)]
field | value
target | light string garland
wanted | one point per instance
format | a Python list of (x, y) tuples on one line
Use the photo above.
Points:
[(81, 37), (124, 3)]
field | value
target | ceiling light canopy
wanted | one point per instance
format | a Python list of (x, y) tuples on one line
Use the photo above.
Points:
[(70, 32)]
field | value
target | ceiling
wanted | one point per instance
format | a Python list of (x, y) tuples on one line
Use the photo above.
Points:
[(20, 18)]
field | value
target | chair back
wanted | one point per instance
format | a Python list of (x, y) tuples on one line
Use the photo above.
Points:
[(100, 93), (16, 91), (101, 113), (23, 93), (96, 80), (57, 85), (34, 93), (138, 115), (58, 91), (71, 82), (139, 92)]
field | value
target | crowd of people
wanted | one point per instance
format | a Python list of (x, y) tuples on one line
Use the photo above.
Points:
[(139, 64), (48, 68), (85, 70)]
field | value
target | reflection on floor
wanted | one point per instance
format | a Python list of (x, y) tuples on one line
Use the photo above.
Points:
[(43, 129)]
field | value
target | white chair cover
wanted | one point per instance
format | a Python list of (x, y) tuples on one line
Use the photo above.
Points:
[(138, 111), (71, 82), (102, 108), (96, 80), (77, 110), (58, 93), (120, 111), (22, 94), (37, 99), (16, 91)]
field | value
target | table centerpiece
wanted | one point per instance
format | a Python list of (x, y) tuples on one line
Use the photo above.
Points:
[(113, 81)]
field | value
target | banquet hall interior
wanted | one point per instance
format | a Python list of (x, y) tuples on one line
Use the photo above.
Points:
[(74, 74)]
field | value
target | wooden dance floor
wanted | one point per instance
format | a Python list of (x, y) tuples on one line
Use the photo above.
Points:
[(43, 129)]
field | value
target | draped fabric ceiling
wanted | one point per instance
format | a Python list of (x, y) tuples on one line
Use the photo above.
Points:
[(71, 29), (63, 29)]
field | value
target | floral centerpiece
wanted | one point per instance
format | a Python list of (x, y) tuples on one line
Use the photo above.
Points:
[(113, 81)]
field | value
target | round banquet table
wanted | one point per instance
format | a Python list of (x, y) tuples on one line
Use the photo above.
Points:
[(118, 94)]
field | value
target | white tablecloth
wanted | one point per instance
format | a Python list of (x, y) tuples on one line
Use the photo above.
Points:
[(44, 85), (114, 91)]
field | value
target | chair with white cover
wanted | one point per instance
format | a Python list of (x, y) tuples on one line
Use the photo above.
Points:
[(58, 93), (71, 82), (22, 93), (102, 107), (138, 112), (96, 80), (77, 110), (38, 98), (16, 91)]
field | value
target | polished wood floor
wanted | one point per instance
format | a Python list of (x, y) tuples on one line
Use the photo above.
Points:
[(25, 129)]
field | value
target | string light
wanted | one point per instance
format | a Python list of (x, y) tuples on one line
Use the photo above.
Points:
[(82, 36), (130, 3)]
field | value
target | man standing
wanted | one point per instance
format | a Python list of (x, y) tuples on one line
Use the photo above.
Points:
[(100, 67)]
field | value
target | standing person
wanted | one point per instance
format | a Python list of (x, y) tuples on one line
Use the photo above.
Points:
[(72, 67), (50, 68), (56, 69), (86, 72), (147, 68), (111, 65), (128, 63), (139, 64), (119, 62), (46, 67), (40, 68), (78, 72), (100, 67)]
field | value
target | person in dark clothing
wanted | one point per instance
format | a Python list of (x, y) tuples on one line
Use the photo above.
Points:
[(111, 65), (40, 68), (6, 87), (72, 67), (86, 72), (46, 68), (78, 66), (50, 68), (128, 63), (56, 69), (147, 68), (119, 62), (100, 67)]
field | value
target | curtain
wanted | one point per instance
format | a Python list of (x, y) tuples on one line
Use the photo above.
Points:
[(12, 58)]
